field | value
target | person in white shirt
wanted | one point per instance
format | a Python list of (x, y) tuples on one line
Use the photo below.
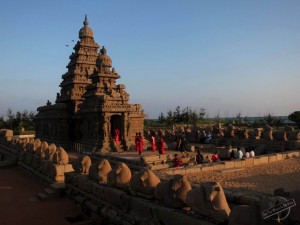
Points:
[(252, 153), (247, 155), (239, 153)]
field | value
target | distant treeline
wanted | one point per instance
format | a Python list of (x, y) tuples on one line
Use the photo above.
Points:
[(190, 116), (18, 122)]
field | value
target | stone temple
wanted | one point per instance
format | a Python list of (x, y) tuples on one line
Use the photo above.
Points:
[(90, 106)]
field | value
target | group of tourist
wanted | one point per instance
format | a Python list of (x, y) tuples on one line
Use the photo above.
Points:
[(139, 143), (238, 154), (203, 137), (160, 145)]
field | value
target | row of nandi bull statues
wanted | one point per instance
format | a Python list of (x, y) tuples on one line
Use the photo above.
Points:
[(265, 133), (48, 159), (207, 201)]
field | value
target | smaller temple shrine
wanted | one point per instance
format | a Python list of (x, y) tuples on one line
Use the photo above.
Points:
[(91, 110)]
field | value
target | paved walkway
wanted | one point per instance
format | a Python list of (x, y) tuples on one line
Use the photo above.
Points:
[(19, 204)]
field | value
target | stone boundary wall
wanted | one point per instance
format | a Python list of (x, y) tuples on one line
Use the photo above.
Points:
[(123, 208), (238, 163)]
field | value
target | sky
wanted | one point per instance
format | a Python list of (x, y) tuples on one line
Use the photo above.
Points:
[(225, 56)]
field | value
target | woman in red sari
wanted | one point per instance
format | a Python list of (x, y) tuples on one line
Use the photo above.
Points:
[(161, 145), (153, 143), (137, 142), (117, 133), (140, 143)]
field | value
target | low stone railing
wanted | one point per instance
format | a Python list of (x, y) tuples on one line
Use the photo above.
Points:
[(237, 163)]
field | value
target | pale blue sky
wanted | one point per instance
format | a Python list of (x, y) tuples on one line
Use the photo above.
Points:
[(225, 56)]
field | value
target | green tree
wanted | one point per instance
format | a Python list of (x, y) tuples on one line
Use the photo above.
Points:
[(11, 117), (161, 118), (295, 117), (269, 119), (278, 121)]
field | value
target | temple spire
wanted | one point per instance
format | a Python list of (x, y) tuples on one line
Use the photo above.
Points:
[(86, 22)]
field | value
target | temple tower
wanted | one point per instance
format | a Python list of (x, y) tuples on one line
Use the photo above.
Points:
[(81, 66), (90, 106), (106, 109)]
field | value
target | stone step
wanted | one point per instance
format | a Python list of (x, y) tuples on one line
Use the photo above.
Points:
[(58, 186), (42, 196), (50, 191), (229, 170)]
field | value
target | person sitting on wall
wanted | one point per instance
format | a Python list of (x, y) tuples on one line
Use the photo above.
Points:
[(229, 151), (252, 153), (232, 154), (247, 154), (215, 157), (239, 153), (176, 161), (199, 157)]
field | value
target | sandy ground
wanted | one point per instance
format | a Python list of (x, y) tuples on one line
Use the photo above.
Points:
[(19, 205), (264, 178)]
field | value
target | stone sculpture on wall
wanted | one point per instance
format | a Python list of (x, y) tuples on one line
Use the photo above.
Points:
[(60, 156), (173, 192), (144, 182), (268, 133), (209, 200), (99, 171), (82, 164), (119, 176)]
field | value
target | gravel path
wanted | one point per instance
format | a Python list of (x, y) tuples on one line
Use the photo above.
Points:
[(264, 178)]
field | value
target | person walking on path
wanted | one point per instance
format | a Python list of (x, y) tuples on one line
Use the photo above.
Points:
[(161, 145)]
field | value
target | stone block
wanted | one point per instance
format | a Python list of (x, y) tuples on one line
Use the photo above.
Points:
[(113, 196), (59, 178), (141, 207), (249, 162), (61, 169), (263, 159), (69, 177), (239, 163), (279, 156), (256, 160), (284, 155), (272, 158), (219, 166), (207, 168), (229, 164), (159, 166), (248, 199), (293, 154), (193, 169), (150, 158), (162, 214), (179, 170), (177, 218), (98, 190)]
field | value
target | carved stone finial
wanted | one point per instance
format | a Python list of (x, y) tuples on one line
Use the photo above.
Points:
[(103, 51), (86, 22), (113, 70)]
